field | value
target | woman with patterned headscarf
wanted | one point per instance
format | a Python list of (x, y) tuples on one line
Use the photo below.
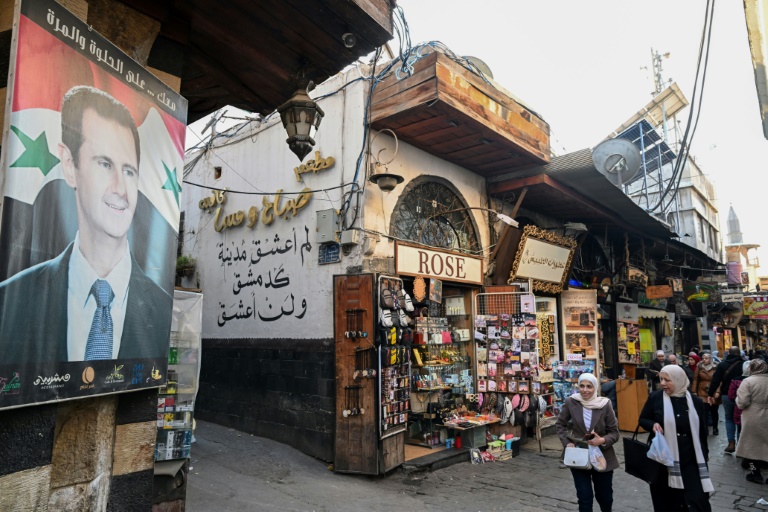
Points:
[(679, 416), (752, 399)]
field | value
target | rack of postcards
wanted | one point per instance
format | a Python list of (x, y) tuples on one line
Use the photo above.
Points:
[(506, 338)]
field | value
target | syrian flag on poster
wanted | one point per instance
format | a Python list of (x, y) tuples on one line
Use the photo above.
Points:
[(56, 51)]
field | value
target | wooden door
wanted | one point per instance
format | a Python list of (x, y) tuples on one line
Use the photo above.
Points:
[(357, 442)]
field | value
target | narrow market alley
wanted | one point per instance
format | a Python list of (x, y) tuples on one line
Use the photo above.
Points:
[(233, 471)]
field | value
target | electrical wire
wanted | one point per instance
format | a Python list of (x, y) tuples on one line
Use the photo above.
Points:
[(698, 90)]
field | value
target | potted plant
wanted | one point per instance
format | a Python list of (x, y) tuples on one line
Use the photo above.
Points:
[(185, 266)]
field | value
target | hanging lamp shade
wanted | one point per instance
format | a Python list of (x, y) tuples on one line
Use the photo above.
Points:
[(301, 117)]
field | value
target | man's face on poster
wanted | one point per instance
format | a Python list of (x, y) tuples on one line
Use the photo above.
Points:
[(106, 177)]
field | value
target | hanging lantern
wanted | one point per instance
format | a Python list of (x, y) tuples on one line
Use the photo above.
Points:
[(301, 117)]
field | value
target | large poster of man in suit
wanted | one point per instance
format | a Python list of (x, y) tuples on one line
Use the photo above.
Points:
[(91, 170)]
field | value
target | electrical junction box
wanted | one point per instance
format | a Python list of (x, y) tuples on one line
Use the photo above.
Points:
[(350, 237), (327, 226)]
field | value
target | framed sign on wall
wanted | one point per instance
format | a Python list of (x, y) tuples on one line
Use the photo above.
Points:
[(543, 257)]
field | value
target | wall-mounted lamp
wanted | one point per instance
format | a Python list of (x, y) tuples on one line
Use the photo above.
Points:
[(386, 181), (301, 117)]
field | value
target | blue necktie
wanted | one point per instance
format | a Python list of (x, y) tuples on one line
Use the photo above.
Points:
[(100, 336)]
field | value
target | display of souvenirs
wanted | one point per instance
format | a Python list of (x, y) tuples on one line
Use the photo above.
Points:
[(629, 343), (506, 350), (566, 375)]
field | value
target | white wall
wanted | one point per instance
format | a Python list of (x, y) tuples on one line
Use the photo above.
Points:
[(290, 281), (262, 161)]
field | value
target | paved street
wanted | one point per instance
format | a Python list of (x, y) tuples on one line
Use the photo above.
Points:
[(233, 471)]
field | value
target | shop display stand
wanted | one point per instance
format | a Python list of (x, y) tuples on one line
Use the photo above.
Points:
[(566, 376), (176, 400), (441, 367), (395, 397), (504, 327), (542, 421)]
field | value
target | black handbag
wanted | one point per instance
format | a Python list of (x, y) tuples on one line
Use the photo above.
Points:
[(637, 463)]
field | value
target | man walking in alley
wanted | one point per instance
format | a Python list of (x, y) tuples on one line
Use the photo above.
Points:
[(729, 368)]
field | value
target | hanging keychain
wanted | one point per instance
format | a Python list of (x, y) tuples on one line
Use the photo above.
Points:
[(360, 410), (346, 412), (346, 333)]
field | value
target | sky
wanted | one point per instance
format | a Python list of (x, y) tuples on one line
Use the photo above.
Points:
[(585, 67)]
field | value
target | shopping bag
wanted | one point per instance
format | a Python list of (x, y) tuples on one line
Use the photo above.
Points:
[(660, 452), (597, 459), (637, 463), (577, 458)]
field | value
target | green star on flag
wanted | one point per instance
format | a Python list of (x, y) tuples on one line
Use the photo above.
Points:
[(36, 153), (172, 183)]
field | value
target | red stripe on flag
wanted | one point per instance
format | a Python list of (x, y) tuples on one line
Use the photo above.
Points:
[(46, 69)]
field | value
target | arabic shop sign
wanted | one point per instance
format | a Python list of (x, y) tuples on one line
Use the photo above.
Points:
[(318, 164), (659, 292), (756, 307), (694, 292), (448, 266), (271, 209), (544, 257)]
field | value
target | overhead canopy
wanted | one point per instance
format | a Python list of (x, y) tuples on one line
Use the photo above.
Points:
[(651, 313), (573, 189), (247, 53)]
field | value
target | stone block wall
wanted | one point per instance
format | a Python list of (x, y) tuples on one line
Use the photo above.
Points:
[(89, 454), (280, 389)]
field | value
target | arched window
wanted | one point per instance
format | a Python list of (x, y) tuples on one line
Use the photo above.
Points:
[(419, 216)]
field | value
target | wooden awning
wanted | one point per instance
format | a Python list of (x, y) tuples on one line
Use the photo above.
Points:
[(245, 53), (450, 112)]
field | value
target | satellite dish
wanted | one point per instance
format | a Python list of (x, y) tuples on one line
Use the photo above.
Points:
[(617, 159), (482, 66)]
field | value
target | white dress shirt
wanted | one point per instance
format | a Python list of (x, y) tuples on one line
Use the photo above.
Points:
[(587, 415), (81, 304)]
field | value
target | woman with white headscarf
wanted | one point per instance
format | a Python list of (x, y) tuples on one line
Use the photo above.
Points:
[(679, 416), (589, 419)]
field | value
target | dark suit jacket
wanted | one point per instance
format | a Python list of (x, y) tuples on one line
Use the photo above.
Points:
[(603, 422), (33, 315)]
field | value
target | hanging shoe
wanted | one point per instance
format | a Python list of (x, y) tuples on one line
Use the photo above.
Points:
[(731, 447), (715, 431)]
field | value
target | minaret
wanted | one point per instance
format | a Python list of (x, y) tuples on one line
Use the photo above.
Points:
[(734, 228)]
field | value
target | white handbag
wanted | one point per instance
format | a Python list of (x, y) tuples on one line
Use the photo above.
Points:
[(577, 458)]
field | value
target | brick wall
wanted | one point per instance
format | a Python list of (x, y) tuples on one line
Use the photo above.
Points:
[(279, 389)]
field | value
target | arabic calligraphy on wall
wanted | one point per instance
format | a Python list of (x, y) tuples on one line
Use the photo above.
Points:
[(318, 164), (271, 209), (261, 266)]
